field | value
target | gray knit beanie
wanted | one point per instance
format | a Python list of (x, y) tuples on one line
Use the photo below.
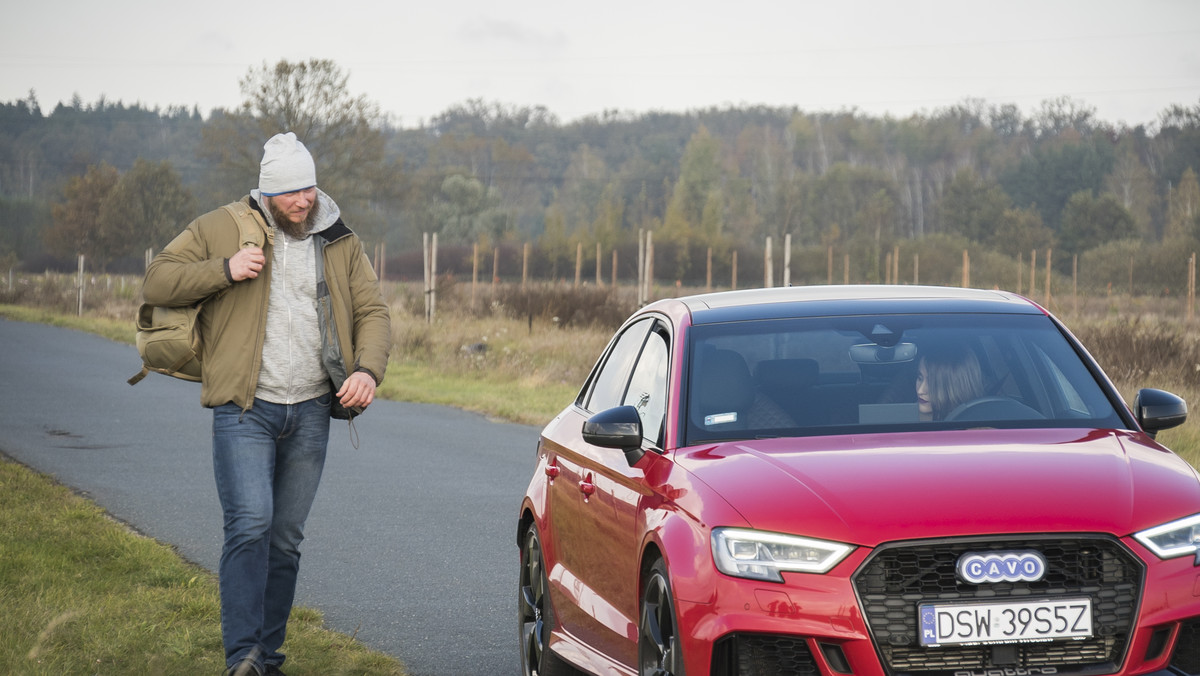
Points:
[(286, 166)]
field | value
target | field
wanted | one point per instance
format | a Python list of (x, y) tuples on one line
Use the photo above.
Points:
[(519, 353)]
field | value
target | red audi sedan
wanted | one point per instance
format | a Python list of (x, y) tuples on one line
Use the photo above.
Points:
[(858, 481)]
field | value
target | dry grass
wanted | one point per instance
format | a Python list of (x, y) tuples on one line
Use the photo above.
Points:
[(521, 353), (510, 355), (1149, 350)]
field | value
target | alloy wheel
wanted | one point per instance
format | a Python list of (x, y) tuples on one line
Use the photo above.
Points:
[(658, 640), (535, 614)]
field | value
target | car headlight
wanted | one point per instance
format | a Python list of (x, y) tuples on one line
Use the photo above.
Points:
[(765, 556), (1178, 538)]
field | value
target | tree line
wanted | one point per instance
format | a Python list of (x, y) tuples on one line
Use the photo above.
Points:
[(110, 180)]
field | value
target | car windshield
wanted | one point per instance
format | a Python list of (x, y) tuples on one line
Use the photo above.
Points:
[(836, 375)]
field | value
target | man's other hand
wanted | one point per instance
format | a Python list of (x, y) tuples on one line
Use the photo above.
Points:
[(358, 391)]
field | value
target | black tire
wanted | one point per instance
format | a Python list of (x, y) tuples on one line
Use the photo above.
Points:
[(535, 614), (659, 651)]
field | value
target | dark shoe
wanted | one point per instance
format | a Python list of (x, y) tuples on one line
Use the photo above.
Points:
[(273, 670), (245, 667)]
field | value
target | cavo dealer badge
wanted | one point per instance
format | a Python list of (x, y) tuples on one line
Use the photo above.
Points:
[(984, 567)]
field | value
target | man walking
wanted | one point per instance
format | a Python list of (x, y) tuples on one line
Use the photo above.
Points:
[(295, 330)]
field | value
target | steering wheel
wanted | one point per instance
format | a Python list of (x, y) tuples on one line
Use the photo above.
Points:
[(993, 408)]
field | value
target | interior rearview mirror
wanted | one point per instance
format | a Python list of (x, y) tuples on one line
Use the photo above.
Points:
[(871, 353)]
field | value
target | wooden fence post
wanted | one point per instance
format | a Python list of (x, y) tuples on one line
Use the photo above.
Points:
[(1049, 255), (578, 262), (524, 265), (433, 279), (708, 271), (768, 271), (382, 262), (80, 285), (1032, 273), (1191, 288), (641, 267), (787, 259), (1020, 270), (1075, 284), (425, 272), (649, 265), (429, 249)]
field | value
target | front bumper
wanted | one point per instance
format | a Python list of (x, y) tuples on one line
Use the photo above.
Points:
[(861, 618)]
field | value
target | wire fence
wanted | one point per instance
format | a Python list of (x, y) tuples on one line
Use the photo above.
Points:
[(1137, 285)]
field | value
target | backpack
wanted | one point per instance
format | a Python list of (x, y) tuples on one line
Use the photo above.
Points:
[(168, 338)]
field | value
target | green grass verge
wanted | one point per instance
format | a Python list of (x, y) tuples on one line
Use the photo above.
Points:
[(83, 594), (114, 329), (530, 403)]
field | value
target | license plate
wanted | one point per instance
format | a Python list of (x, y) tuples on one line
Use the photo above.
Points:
[(1005, 622)]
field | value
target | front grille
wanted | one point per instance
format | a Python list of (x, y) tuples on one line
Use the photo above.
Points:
[(762, 655), (896, 578), (1187, 648)]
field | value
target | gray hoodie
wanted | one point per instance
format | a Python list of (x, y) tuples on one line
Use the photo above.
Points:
[(292, 369)]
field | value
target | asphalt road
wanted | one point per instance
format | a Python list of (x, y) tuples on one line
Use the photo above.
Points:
[(411, 544)]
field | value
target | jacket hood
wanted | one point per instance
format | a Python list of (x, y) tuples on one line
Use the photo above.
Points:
[(867, 489), (327, 211)]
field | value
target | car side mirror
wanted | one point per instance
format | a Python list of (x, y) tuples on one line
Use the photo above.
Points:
[(619, 427), (1158, 410)]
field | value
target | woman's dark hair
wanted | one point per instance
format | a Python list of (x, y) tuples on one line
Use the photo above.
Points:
[(954, 378)]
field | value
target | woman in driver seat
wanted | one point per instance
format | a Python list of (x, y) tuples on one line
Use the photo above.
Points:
[(945, 379)]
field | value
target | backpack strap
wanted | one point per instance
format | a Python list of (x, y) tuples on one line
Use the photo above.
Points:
[(139, 376), (250, 231)]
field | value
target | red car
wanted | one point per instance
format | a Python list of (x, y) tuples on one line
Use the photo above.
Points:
[(858, 481)]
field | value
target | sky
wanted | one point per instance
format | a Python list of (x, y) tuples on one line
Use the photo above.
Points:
[(1129, 60)]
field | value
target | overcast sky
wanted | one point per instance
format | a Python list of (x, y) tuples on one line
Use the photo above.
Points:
[(1129, 60)]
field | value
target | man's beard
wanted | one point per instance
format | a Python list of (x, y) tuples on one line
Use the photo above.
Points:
[(294, 230)]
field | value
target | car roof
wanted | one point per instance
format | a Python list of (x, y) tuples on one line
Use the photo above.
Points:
[(862, 299)]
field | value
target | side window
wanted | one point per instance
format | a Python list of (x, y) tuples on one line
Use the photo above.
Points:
[(608, 388), (648, 387)]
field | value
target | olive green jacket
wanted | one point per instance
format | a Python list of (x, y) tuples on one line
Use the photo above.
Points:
[(195, 266)]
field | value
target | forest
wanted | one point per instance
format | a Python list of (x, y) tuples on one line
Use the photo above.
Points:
[(109, 180)]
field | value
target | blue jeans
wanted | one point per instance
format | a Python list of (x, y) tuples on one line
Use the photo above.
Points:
[(268, 463)]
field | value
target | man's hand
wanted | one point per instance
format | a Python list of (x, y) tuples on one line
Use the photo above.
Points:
[(246, 263), (358, 391)]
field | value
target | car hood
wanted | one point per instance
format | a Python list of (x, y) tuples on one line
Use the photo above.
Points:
[(868, 489)]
